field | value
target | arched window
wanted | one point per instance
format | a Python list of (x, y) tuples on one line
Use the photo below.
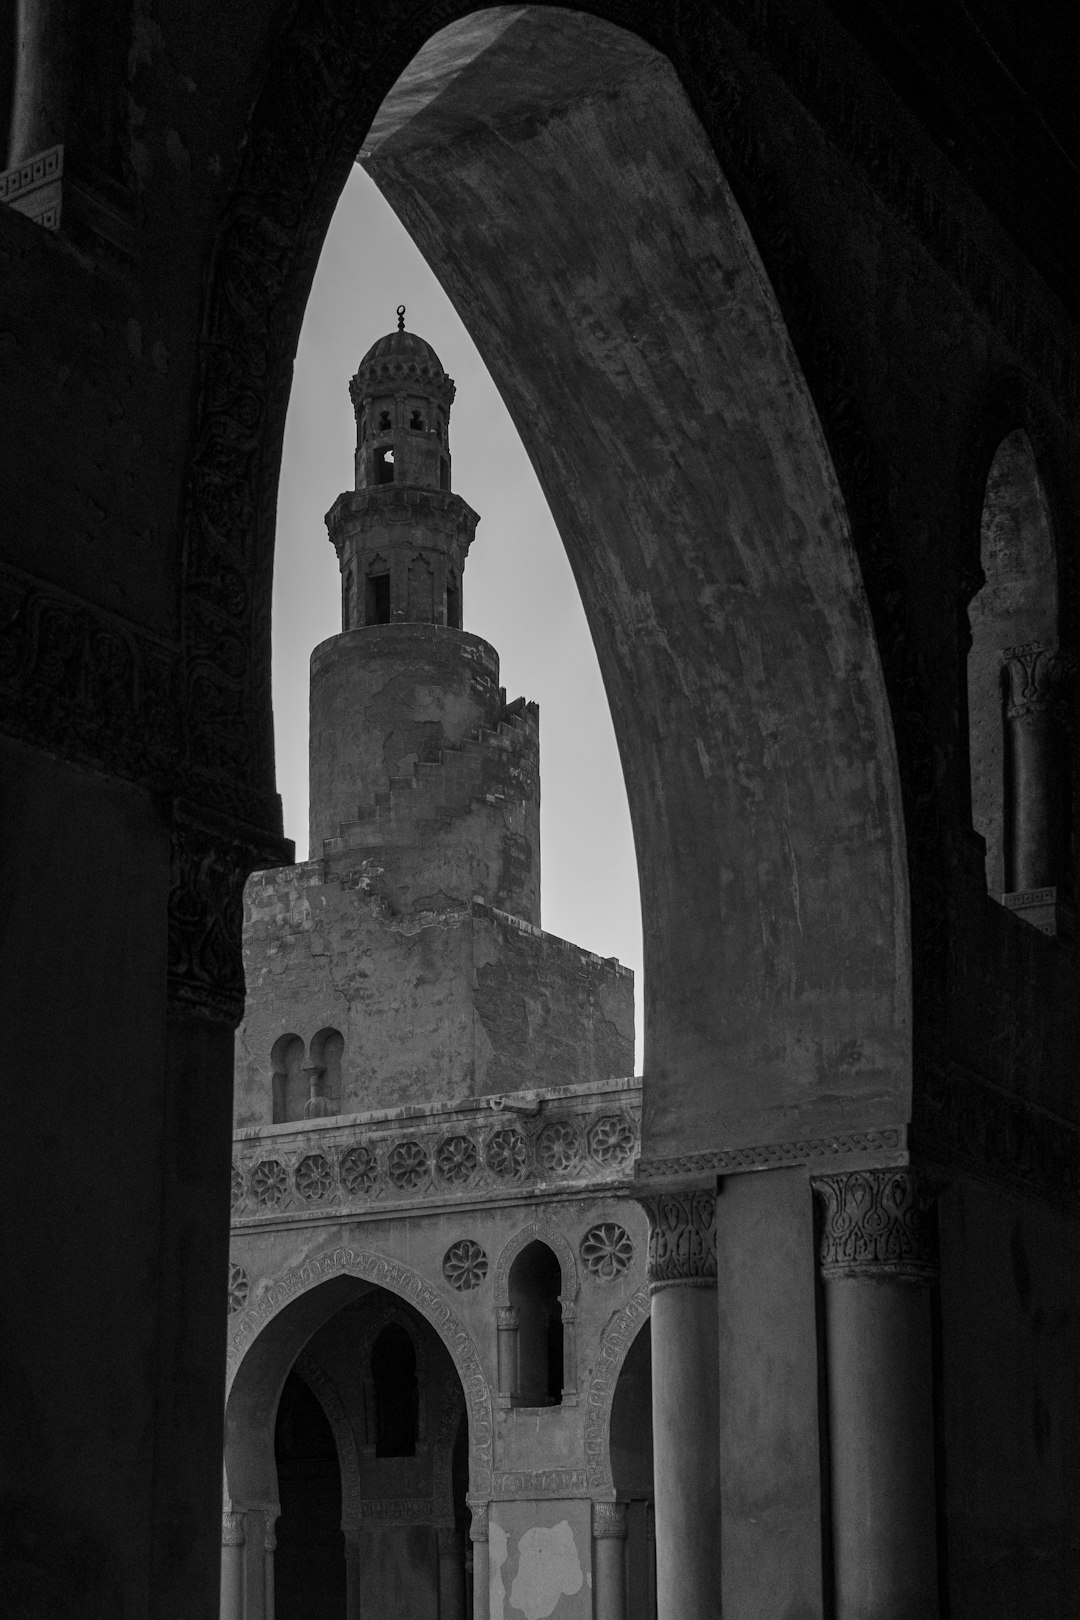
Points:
[(289, 1083), (324, 1074), (1016, 680), (384, 466), (535, 1284), (397, 1407)]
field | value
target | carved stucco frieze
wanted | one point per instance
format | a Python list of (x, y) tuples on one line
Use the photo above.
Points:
[(682, 1238), (618, 1336), (211, 859), (877, 1224)]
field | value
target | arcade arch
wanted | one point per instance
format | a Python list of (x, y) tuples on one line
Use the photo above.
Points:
[(314, 1419)]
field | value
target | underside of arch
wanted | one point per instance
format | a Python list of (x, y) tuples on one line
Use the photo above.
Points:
[(554, 175)]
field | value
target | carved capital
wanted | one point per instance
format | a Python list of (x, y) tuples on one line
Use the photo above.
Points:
[(211, 861), (682, 1239), (609, 1520), (878, 1223), (270, 1519), (506, 1317), (232, 1530), (1037, 676), (478, 1530)]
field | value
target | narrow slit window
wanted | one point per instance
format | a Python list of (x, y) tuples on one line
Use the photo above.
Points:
[(384, 466)]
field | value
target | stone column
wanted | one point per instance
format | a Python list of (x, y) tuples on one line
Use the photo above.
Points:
[(478, 1535), (451, 1574), (269, 1546), (506, 1319), (682, 1282), (569, 1338), (1036, 678), (352, 1572), (232, 1566), (609, 1560), (878, 1260), (41, 72)]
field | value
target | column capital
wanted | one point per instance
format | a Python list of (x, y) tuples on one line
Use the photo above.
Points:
[(609, 1520), (506, 1316), (682, 1238), (270, 1519), (232, 1530), (478, 1530), (1036, 675), (878, 1223)]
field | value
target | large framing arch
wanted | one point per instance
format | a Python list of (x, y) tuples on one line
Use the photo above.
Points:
[(741, 658), (347, 1261)]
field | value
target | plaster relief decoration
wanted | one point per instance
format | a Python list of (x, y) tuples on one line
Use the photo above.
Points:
[(682, 1239), (407, 1165), (558, 1146), (878, 1223), (612, 1139), (506, 1153), (314, 1177), (561, 1140), (617, 1338), (238, 1288), (359, 1170), (606, 1251), (269, 1183), (465, 1265), (456, 1159)]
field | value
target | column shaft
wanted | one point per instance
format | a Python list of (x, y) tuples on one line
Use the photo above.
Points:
[(352, 1581), (232, 1567), (682, 1275), (506, 1318), (876, 1267), (41, 71), (609, 1561)]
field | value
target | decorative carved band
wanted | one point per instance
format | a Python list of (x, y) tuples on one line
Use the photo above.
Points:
[(682, 1239), (232, 1530), (821, 1150), (211, 861), (609, 1520), (548, 1482), (1037, 676), (878, 1223)]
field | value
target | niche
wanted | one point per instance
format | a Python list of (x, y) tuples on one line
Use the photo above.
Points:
[(1014, 680), (377, 599), (535, 1283), (384, 422), (384, 465), (396, 1397), (417, 422), (289, 1083)]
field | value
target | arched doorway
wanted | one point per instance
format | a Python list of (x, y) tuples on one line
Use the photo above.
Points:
[(346, 1463)]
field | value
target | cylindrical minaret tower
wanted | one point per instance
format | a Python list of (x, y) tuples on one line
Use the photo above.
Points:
[(413, 747)]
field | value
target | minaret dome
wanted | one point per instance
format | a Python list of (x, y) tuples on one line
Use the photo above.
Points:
[(401, 535)]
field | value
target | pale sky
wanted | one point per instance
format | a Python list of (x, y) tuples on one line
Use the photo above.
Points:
[(518, 591)]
